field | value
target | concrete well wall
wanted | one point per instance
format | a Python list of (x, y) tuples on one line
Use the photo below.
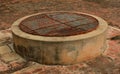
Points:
[(60, 50)]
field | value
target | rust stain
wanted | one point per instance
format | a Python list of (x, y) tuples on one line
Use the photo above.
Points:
[(59, 24)]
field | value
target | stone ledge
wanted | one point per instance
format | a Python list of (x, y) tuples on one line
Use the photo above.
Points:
[(9, 60)]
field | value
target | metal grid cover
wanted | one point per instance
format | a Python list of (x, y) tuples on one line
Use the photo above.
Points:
[(59, 24)]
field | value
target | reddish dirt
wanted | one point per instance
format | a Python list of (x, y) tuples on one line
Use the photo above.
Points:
[(11, 10)]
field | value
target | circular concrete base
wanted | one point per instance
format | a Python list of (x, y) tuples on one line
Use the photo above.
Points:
[(60, 50)]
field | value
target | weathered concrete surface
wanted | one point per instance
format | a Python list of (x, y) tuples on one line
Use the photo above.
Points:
[(108, 63), (60, 50), (5, 36), (9, 60)]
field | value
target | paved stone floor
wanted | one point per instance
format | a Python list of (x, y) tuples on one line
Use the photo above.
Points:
[(107, 63)]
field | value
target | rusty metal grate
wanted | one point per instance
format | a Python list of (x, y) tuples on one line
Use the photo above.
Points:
[(59, 24)]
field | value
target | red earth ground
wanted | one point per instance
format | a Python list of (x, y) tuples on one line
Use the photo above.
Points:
[(11, 10)]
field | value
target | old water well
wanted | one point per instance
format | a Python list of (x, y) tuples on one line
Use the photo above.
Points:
[(59, 37)]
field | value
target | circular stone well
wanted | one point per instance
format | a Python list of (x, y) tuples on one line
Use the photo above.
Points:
[(60, 37)]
